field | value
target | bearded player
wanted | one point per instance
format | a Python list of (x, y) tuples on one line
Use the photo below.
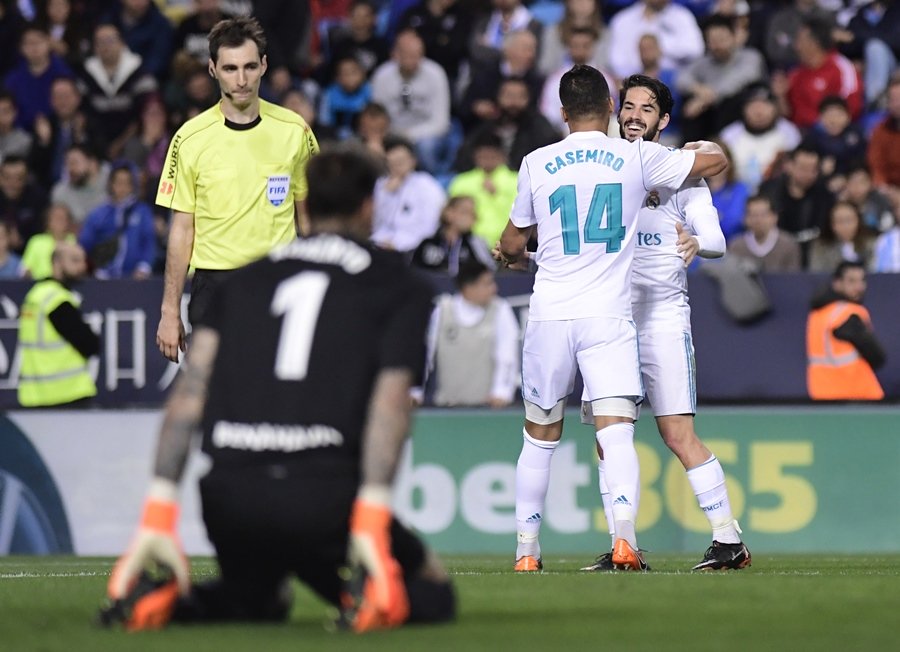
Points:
[(673, 227)]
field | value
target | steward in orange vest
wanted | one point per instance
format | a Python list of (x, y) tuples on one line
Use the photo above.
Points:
[(841, 347)]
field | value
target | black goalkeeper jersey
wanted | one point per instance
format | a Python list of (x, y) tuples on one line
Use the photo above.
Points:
[(303, 334)]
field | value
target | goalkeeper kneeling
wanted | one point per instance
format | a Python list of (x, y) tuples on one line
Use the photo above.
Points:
[(275, 518), (299, 373)]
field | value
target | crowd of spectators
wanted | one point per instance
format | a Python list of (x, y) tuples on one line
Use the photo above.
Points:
[(451, 94)]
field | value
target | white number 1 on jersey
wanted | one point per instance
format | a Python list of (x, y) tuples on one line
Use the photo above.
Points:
[(299, 299)]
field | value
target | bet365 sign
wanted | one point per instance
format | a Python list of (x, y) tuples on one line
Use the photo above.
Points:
[(786, 475)]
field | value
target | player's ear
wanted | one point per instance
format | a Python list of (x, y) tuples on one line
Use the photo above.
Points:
[(264, 65), (664, 121), (565, 116), (212, 68)]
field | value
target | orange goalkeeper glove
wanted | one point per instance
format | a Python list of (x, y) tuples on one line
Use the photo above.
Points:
[(138, 597), (374, 592)]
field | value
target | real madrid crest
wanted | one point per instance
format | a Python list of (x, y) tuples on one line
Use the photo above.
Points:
[(652, 200)]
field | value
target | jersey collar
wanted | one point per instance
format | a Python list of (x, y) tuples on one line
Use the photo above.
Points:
[(242, 127), (585, 135)]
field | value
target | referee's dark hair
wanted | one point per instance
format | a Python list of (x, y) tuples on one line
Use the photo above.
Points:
[(584, 93), (233, 32), (339, 182), (658, 91)]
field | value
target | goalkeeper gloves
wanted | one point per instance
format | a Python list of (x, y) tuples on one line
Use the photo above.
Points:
[(374, 592), (139, 596)]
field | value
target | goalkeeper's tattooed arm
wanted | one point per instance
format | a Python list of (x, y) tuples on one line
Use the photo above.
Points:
[(156, 541), (374, 593), (386, 427), (184, 408)]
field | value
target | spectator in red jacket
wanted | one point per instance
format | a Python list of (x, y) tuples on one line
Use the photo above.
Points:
[(884, 145), (822, 72)]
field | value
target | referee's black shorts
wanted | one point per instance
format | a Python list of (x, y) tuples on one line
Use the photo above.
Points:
[(203, 283), (267, 523)]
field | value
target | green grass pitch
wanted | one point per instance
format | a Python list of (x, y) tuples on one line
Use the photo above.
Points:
[(783, 602)]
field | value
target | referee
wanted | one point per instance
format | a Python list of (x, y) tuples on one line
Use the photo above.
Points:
[(233, 178), (298, 376)]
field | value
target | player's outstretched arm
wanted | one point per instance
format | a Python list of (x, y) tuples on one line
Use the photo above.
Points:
[(376, 594), (170, 333), (709, 159), (156, 544)]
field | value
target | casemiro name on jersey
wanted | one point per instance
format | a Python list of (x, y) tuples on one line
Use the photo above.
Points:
[(575, 156)]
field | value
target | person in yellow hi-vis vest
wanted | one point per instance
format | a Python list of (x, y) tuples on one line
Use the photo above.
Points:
[(56, 342), (841, 347)]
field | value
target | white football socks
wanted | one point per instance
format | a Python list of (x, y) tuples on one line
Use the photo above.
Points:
[(708, 483), (532, 481), (622, 473), (607, 502)]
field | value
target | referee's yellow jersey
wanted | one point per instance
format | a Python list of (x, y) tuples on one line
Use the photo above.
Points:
[(239, 182)]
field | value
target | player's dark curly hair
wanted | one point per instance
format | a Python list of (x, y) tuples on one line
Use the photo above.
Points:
[(233, 32), (339, 181), (659, 92), (584, 93)]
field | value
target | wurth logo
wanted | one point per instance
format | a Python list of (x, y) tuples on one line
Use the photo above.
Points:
[(173, 157), (166, 188)]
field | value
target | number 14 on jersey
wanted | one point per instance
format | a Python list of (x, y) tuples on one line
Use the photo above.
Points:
[(607, 199)]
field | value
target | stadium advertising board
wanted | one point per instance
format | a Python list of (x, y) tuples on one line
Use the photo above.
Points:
[(795, 483)]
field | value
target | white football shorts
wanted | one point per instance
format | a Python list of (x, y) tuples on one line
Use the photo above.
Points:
[(604, 349), (668, 371)]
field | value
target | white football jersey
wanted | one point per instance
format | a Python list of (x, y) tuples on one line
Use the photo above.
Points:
[(659, 279), (584, 194)]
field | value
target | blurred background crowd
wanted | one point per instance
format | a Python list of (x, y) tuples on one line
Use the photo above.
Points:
[(804, 95)]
